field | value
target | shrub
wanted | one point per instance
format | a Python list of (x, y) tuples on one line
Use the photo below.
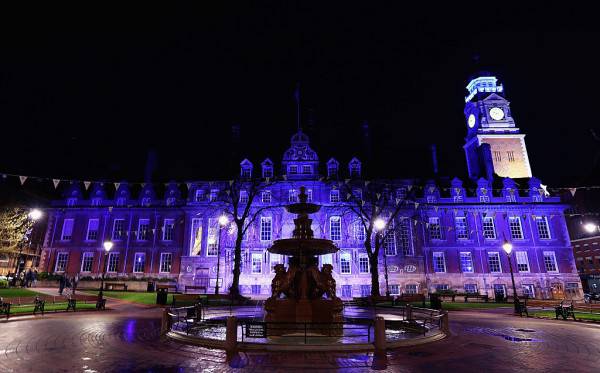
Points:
[(3, 284)]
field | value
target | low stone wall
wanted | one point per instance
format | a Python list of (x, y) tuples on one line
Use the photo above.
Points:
[(95, 284)]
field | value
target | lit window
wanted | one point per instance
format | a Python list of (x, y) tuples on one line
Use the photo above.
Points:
[(516, 231), (359, 231), (435, 229), (256, 263), (265, 196), (143, 233), (389, 240), (61, 262), (118, 229), (196, 237), (529, 291), (404, 237), (292, 196), (466, 262), (411, 289), (334, 196), (471, 288), (461, 228), (113, 262), (169, 230), (166, 260), (266, 228), (309, 195), (345, 263), (275, 259), (494, 262), (522, 261), (139, 262), (326, 259), (550, 261), (200, 195), (243, 197), (394, 289), (92, 230), (489, 230), (363, 264), (67, 230), (86, 262), (439, 262), (335, 228), (542, 227), (213, 237)]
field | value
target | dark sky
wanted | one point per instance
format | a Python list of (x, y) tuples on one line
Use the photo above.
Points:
[(87, 99)]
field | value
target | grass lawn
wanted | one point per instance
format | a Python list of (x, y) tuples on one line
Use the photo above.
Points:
[(578, 315), (137, 297), (52, 307), (17, 292)]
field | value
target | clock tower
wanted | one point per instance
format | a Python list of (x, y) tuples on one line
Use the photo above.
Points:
[(489, 121)]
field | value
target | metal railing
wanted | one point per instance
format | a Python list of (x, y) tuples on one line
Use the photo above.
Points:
[(306, 332)]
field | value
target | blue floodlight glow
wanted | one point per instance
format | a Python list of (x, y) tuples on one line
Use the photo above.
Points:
[(483, 84)]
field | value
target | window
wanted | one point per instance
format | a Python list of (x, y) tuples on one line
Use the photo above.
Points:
[(489, 230), (510, 156), (395, 289), (404, 237), (357, 194), (359, 231), (572, 288), (332, 170), (113, 262), (334, 196), (441, 287), (243, 197), (214, 194), (293, 170), (292, 196), (309, 196), (542, 227), (211, 241), (497, 156), (267, 172), (431, 199), (365, 290), (166, 260), (516, 231), (484, 198), (550, 261), (529, 290), (494, 262), (439, 262), (537, 198), (345, 263), (355, 170), (435, 230), (71, 202), (275, 259), (86, 262), (265, 196), (146, 201), (411, 289), (389, 240), (139, 262), (121, 201), (461, 228), (61, 262), (96, 201), (471, 288), (246, 173), (522, 261), (92, 230), (458, 198), (200, 195), (143, 233), (510, 197), (266, 228), (346, 291), (306, 169), (118, 229), (171, 201), (363, 264), (67, 230), (401, 194), (326, 259), (256, 263), (335, 228), (196, 237), (466, 262), (500, 289), (168, 230)]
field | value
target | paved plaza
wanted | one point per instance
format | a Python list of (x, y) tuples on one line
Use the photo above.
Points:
[(126, 339)]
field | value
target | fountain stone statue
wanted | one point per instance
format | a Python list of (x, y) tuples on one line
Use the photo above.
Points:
[(298, 292)]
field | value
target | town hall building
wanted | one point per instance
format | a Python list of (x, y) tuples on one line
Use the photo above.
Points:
[(448, 234)]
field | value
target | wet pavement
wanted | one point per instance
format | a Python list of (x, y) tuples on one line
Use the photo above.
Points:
[(126, 339)]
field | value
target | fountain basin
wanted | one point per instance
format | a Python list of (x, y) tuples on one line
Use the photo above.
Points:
[(298, 247)]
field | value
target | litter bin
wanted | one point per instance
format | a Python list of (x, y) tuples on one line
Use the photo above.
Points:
[(161, 296), (150, 286), (435, 302)]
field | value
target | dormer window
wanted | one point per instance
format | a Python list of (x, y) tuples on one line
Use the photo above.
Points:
[(171, 201), (146, 201), (121, 201), (200, 195), (332, 170), (214, 193), (354, 167), (243, 197), (246, 169), (96, 201), (72, 201), (306, 169), (267, 168), (246, 173), (293, 170)]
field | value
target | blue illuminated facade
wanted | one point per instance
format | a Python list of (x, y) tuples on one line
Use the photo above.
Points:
[(448, 235)]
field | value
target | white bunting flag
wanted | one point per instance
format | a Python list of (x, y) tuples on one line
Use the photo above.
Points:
[(55, 182), (230, 182), (284, 177), (347, 181), (189, 185), (22, 178), (117, 185), (572, 190), (143, 185), (87, 184)]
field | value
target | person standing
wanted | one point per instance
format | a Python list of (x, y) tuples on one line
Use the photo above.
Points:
[(61, 284), (75, 281)]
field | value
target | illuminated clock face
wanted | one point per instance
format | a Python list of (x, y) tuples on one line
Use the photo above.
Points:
[(471, 121), (496, 113)]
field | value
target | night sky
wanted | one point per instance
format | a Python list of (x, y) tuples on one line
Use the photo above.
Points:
[(88, 99)]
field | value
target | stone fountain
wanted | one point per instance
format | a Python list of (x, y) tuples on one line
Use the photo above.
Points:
[(298, 292)]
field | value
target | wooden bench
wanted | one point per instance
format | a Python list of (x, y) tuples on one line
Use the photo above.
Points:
[(115, 286), (565, 311), (483, 297), (194, 287), (185, 299), (168, 287)]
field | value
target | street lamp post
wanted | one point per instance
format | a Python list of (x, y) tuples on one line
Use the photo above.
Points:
[(107, 246), (507, 247), (379, 225), (34, 215), (223, 221)]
